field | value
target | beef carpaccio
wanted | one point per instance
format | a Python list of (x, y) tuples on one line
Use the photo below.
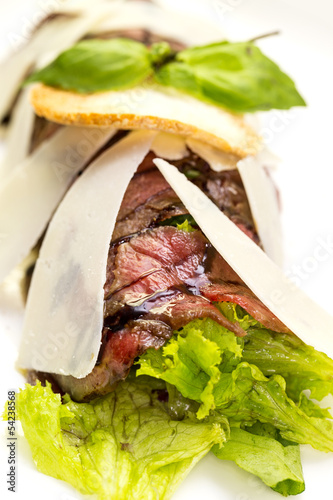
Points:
[(159, 277), (158, 324)]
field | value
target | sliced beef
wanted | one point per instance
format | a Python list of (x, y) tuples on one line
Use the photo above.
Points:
[(151, 330), (158, 281), (120, 350), (163, 271), (241, 295), (154, 260), (159, 278), (150, 200), (164, 205), (224, 188), (146, 183), (147, 201), (224, 285)]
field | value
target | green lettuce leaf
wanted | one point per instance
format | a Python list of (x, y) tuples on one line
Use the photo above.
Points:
[(301, 365), (311, 408), (141, 440), (123, 446), (246, 395), (204, 362), (192, 361), (236, 313), (276, 465)]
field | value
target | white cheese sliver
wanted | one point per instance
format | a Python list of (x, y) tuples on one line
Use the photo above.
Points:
[(218, 160), (292, 306), (263, 201), (169, 146), (19, 135), (49, 40), (64, 315), (166, 21), (29, 196)]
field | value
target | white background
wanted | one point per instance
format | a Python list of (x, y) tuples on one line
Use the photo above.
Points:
[(303, 139)]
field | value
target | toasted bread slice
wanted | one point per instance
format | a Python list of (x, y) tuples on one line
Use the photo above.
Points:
[(149, 106)]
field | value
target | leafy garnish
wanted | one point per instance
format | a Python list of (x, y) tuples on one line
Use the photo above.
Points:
[(195, 392), (237, 76), (277, 466), (121, 446), (235, 313), (247, 396), (204, 361), (191, 361), (301, 365), (97, 65), (179, 220)]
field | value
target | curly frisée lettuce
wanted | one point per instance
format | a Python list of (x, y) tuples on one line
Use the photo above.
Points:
[(121, 446), (205, 389)]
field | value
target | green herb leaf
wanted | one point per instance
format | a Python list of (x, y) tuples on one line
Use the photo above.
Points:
[(277, 466), (179, 220), (237, 76), (97, 65), (120, 446), (161, 52), (186, 226)]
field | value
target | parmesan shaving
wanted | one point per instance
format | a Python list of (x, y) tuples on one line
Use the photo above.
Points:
[(64, 315), (292, 306), (263, 201), (19, 135), (163, 21), (218, 160), (169, 146), (29, 195), (50, 39)]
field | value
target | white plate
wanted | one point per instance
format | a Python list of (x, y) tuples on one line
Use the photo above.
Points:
[(303, 140)]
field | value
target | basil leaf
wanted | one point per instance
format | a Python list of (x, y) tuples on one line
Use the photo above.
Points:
[(97, 65), (237, 76), (234, 75)]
